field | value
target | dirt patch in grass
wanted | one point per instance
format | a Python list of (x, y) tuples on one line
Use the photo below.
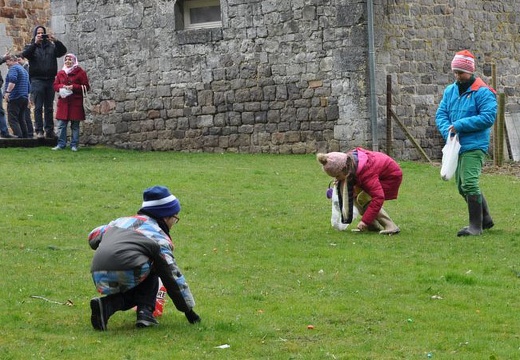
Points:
[(510, 168)]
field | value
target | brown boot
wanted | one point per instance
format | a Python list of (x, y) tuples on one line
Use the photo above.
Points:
[(389, 227)]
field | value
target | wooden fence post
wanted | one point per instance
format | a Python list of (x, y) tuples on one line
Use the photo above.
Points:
[(499, 134), (389, 133)]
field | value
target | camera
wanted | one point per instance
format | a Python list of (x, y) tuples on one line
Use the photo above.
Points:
[(45, 36)]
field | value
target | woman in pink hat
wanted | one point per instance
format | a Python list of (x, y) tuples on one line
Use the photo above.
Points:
[(365, 179)]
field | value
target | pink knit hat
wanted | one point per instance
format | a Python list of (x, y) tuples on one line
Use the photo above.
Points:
[(463, 61), (333, 163)]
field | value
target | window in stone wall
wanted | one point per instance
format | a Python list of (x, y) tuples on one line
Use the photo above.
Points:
[(200, 14)]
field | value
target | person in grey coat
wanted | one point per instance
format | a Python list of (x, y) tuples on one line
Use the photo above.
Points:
[(132, 253)]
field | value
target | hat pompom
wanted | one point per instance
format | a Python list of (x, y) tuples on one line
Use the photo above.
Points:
[(159, 201), (333, 163), (463, 61)]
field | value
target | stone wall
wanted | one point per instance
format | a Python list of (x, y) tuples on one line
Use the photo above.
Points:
[(416, 41), (280, 76), (272, 79), (17, 21)]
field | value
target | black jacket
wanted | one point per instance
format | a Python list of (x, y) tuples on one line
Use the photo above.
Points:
[(43, 57)]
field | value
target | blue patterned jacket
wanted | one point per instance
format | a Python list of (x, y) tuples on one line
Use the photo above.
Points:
[(128, 249)]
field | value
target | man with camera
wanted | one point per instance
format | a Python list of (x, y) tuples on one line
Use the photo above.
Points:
[(42, 53)]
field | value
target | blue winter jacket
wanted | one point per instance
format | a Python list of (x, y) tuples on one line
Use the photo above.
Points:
[(472, 114)]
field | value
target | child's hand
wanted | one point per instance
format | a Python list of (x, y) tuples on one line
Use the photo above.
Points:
[(192, 317), (362, 226)]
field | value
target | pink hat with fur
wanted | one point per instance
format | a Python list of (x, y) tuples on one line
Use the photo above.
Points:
[(333, 163)]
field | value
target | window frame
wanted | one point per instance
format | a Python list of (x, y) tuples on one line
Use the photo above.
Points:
[(193, 4)]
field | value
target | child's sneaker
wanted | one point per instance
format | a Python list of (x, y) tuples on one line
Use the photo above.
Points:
[(145, 318)]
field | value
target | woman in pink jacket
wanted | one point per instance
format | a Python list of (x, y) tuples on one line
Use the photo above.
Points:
[(68, 84), (365, 179)]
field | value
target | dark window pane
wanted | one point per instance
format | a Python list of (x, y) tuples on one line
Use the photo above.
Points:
[(204, 14)]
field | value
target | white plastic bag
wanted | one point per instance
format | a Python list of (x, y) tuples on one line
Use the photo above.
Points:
[(450, 157), (64, 92), (335, 218)]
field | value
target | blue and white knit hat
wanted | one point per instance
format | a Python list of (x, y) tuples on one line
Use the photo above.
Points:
[(159, 202)]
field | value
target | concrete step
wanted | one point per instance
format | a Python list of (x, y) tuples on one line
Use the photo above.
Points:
[(6, 143)]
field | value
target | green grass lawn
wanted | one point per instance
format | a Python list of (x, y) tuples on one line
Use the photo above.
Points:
[(263, 262)]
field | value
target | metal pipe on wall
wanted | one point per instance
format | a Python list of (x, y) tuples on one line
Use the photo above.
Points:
[(372, 75)]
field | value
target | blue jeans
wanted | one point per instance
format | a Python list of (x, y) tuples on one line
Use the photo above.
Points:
[(3, 124), (62, 133), (43, 97)]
